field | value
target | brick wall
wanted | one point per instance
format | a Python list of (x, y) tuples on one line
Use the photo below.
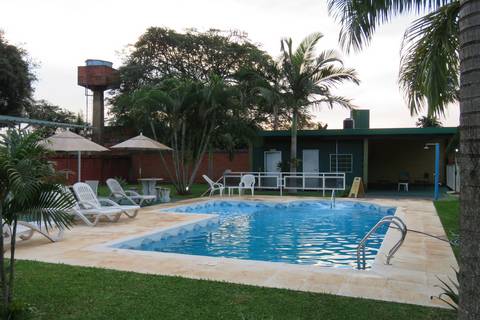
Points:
[(104, 166)]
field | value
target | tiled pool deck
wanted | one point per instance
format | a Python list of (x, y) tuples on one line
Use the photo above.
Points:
[(412, 277)]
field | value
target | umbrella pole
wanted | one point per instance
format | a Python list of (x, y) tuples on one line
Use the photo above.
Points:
[(79, 162)]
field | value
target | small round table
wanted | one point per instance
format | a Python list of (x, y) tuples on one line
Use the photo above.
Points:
[(149, 184)]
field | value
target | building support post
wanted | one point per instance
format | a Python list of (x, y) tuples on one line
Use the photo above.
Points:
[(437, 170), (79, 166), (365, 163)]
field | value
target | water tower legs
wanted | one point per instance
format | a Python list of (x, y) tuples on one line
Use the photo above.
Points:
[(98, 115)]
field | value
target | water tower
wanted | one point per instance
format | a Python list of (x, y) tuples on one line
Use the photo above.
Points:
[(98, 76)]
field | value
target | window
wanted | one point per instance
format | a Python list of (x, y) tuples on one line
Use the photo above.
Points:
[(341, 163)]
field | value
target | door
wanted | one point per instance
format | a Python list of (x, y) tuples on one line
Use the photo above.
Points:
[(311, 164), (310, 160), (272, 159)]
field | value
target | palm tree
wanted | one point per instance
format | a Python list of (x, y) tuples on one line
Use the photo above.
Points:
[(359, 19), (307, 79), (429, 68), (188, 114), (29, 190), (428, 122)]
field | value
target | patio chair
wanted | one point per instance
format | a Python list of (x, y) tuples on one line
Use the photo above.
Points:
[(26, 230), (87, 200), (247, 183), (403, 181), (93, 184), (214, 186), (91, 216), (132, 197)]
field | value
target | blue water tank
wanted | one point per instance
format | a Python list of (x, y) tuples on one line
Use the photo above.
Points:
[(96, 62)]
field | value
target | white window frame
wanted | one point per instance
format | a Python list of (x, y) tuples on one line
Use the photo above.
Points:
[(336, 165)]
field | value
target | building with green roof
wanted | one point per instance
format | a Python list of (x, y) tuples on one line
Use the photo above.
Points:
[(380, 156)]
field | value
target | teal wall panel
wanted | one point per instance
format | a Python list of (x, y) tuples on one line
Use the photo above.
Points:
[(326, 147)]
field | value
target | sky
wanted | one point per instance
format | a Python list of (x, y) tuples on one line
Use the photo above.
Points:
[(60, 35)]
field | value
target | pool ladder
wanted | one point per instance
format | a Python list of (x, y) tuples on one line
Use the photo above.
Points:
[(332, 200), (361, 261)]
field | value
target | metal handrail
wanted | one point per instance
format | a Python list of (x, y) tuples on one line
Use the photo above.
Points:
[(282, 179), (332, 200), (361, 260)]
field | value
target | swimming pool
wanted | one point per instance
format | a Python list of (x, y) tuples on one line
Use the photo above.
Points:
[(297, 232)]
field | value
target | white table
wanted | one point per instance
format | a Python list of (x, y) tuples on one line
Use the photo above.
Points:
[(149, 184), (404, 185), (232, 188)]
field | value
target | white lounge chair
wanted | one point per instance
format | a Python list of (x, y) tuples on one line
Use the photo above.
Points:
[(92, 216), (131, 196), (87, 200), (214, 186), (26, 230), (247, 182), (93, 184)]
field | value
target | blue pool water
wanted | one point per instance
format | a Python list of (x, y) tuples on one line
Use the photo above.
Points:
[(299, 232)]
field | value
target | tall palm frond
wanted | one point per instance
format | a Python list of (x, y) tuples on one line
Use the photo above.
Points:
[(429, 66), (360, 19), (29, 182), (48, 206)]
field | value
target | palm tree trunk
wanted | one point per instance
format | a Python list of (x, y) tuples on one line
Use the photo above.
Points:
[(293, 146), (275, 117), (3, 276), (11, 271), (469, 278)]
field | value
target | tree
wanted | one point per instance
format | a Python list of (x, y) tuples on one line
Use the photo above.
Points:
[(29, 190), (44, 110), (15, 79), (429, 68), (428, 122), (359, 20), (162, 53), (190, 115), (307, 80)]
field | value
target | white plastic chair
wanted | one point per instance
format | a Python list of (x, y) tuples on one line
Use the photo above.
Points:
[(93, 184), (214, 186), (131, 196), (87, 200), (247, 182)]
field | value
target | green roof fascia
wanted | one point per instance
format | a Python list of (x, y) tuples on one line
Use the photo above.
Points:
[(363, 132)]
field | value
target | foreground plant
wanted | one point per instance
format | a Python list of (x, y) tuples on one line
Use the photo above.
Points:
[(28, 191), (434, 42), (450, 289)]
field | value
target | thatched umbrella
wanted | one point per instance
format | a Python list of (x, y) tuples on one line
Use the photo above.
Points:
[(68, 141), (141, 143)]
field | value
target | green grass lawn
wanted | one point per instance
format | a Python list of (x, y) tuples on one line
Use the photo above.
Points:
[(449, 212), (66, 292)]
